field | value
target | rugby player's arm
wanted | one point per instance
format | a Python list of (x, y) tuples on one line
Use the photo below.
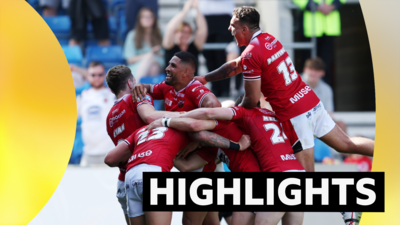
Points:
[(117, 155), (228, 69), (252, 93), (210, 101), (148, 114), (190, 163), (210, 139), (209, 113)]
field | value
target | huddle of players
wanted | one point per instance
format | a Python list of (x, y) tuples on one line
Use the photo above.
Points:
[(267, 69)]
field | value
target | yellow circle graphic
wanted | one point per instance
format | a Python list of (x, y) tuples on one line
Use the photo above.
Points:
[(38, 112)]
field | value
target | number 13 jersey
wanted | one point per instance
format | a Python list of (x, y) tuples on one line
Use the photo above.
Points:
[(158, 147), (266, 59)]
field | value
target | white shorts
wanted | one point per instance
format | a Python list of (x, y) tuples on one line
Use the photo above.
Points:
[(134, 187), (121, 196), (313, 123)]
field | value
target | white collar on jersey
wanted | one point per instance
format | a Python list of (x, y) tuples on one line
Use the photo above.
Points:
[(190, 83), (120, 99), (255, 35)]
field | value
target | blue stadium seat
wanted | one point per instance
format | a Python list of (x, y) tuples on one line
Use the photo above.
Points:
[(34, 3), (109, 55), (158, 104), (74, 54), (321, 150), (117, 4), (63, 41), (112, 28), (60, 25)]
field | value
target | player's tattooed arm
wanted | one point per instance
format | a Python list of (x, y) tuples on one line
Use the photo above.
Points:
[(227, 70), (211, 139)]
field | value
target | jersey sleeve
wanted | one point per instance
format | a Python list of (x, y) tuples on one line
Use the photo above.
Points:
[(198, 93), (237, 113), (157, 90), (130, 141), (251, 63), (146, 100)]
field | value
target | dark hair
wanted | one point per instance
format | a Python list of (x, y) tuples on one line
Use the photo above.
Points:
[(240, 99), (155, 37), (95, 63), (187, 57), (248, 16), (316, 64), (117, 77)]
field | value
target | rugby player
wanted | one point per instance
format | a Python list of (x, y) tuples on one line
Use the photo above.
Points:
[(269, 143), (153, 150), (181, 92), (267, 68)]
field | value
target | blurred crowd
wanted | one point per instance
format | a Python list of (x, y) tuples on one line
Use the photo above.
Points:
[(103, 33)]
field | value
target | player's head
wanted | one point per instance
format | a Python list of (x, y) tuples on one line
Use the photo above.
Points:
[(120, 79), (240, 99), (314, 70), (181, 68), (96, 76), (245, 21)]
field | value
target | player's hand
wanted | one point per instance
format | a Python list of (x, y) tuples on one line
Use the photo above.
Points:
[(202, 79), (244, 142), (188, 149), (155, 124), (138, 92)]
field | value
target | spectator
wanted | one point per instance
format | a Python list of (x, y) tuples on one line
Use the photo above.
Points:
[(82, 11), (218, 15), (93, 106), (143, 44), (314, 70), (364, 163), (132, 8), (323, 24), (50, 6), (178, 34)]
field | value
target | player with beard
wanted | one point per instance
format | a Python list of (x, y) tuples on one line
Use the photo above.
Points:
[(181, 92), (154, 151)]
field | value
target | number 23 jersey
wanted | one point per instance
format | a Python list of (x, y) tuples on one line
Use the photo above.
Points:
[(266, 59), (158, 146)]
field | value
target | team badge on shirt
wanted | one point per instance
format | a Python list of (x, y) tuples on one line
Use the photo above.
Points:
[(181, 102)]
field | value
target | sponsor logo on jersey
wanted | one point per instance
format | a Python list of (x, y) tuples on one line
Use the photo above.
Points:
[(288, 157), (115, 111), (248, 71), (168, 102), (181, 95), (244, 67), (268, 118), (181, 103), (115, 118), (195, 88), (247, 55), (271, 45), (147, 97), (276, 56), (140, 155), (300, 94), (316, 108), (308, 115), (119, 130)]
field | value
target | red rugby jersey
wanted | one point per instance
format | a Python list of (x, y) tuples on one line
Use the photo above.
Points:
[(237, 161), (269, 143), (189, 98), (266, 59), (123, 119), (158, 147)]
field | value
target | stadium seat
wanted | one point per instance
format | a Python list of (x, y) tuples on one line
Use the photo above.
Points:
[(321, 150), (112, 28), (158, 104), (60, 25), (109, 55), (34, 3), (73, 54), (117, 4)]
